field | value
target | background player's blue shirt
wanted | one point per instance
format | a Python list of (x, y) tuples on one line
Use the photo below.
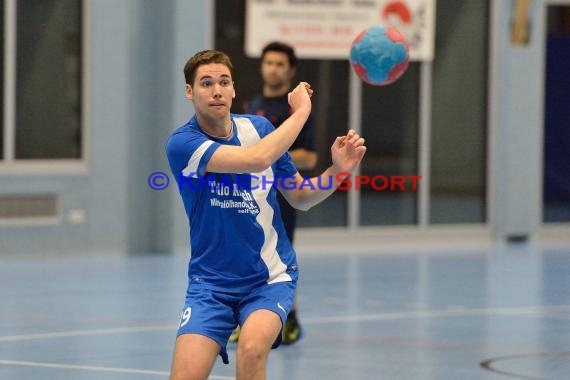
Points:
[(237, 237)]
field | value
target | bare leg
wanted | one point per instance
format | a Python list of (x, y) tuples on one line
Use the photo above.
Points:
[(258, 334), (194, 357)]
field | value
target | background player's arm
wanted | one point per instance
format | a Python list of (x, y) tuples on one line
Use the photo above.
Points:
[(347, 152), (256, 158), (303, 159)]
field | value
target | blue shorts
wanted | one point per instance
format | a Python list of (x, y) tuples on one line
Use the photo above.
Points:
[(216, 314)]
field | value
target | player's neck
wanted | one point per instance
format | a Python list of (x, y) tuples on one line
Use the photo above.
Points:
[(273, 92), (221, 129)]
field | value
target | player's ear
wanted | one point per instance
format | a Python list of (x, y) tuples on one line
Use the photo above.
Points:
[(189, 93), (234, 90)]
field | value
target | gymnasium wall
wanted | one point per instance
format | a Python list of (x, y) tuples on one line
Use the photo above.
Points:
[(135, 52)]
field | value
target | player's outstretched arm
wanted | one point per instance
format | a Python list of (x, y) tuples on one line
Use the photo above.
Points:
[(254, 159), (347, 152)]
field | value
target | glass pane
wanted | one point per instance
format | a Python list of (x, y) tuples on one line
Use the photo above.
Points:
[(330, 104), (330, 112), (48, 99), (458, 141), (2, 80), (390, 127), (556, 184)]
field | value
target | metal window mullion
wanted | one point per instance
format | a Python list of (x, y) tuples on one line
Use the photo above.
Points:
[(9, 130), (354, 122), (493, 116), (85, 91), (424, 146)]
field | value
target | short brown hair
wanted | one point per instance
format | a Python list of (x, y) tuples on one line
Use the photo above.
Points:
[(205, 57), (280, 47)]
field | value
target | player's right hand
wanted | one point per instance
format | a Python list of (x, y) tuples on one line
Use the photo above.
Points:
[(300, 97)]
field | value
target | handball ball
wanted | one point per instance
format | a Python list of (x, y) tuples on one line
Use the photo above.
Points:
[(379, 55)]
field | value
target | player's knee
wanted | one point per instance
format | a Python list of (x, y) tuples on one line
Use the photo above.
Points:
[(251, 351)]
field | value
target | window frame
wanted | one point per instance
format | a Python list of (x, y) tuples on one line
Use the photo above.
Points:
[(9, 165)]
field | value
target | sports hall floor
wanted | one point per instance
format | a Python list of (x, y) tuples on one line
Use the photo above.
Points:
[(453, 314)]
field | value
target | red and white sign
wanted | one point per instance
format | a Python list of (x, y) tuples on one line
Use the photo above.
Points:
[(325, 29)]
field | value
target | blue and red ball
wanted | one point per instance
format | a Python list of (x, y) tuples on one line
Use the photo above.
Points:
[(379, 55)]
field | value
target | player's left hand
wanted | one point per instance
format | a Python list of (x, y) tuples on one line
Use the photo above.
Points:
[(347, 151)]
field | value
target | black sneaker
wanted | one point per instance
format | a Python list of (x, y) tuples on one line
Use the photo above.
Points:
[(292, 332)]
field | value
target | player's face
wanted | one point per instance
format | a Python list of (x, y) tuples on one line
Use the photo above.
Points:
[(213, 90), (275, 69)]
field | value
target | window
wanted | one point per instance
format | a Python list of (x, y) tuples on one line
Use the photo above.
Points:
[(2, 82), (459, 123), (47, 70), (390, 118), (556, 180)]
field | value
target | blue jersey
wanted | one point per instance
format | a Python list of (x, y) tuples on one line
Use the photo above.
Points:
[(237, 237)]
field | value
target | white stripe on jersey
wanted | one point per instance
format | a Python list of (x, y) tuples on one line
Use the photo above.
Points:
[(248, 136), (194, 161)]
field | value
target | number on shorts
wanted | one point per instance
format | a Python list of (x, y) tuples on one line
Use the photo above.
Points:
[(185, 316)]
